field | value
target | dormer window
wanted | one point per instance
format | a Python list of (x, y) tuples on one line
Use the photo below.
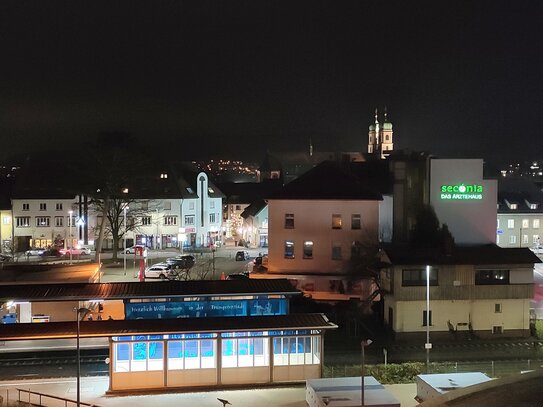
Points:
[(163, 175), (513, 206)]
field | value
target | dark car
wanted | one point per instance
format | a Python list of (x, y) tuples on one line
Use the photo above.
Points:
[(242, 255), (52, 252), (238, 276), (181, 262)]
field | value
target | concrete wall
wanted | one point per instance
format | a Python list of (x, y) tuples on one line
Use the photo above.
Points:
[(470, 221)]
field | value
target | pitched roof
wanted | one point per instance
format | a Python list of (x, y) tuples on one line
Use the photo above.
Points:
[(469, 255), (332, 181)]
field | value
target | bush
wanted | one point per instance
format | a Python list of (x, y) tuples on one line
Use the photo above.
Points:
[(537, 329), (392, 373)]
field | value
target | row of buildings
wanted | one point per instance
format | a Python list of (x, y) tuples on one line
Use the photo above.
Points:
[(339, 226)]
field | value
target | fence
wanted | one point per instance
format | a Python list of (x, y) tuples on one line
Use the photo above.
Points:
[(406, 372), (35, 398)]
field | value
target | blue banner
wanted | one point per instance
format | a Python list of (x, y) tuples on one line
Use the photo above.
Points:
[(202, 309)]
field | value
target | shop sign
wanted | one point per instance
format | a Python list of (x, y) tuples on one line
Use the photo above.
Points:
[(461, 192)]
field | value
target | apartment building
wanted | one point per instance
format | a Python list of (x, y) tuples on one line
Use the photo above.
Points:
[(481, 290)]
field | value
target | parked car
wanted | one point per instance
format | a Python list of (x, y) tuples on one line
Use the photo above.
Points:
[(75, 251), (132, 250), (242, 255), (537, 249), (185, 261), (51, 252), (238, 276), (163, 271), (35, 251)]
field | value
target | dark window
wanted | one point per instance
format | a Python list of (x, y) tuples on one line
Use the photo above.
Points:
[(308, 249), (497, 330), (356, 250), (336, 251), (289, 249), (289, 221), (497, 308), (424, 316), (355, 221), (417, 277), (491, 277)]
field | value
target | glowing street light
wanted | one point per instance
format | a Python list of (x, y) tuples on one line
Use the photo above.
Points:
[(71, 213)]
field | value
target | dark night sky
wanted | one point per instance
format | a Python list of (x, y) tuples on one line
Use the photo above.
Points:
[(233, 79)]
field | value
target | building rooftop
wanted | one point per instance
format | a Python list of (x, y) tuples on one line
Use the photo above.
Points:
[(137, 290), (476, 255)]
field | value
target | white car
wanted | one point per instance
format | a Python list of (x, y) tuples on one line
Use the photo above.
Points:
[(74, 251), (132, 250), (34, 252), (160, 270), (537, 249)]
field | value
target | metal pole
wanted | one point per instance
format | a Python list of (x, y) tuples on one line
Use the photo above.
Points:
[(78, 361), (428, 345), (124, 239), (362, 368), (71, 240)]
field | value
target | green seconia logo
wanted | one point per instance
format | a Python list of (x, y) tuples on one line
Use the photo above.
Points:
[(461, 192)]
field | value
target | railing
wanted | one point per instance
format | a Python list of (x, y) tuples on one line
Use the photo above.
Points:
[(39, 398)]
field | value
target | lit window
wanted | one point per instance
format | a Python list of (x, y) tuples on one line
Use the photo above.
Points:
[(535, 224), (163, 175), (525, 239), (210, 190), (6, 220), (289, 249), (525, 223), (336, 221), (513, 206), (289, 221), (308, 249), (125, 190), (533, 206), (535, 239), (510, 223), (512, 239), (42, 221)]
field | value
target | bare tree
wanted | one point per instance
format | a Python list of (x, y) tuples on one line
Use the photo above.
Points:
[(112, 211)]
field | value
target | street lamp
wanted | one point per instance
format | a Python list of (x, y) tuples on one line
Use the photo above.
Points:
[(71, 239), (78, 312), (363, 345), (125, 206), (428, 345)]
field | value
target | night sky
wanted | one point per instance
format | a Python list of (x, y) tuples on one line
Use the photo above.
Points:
[(232, 79)]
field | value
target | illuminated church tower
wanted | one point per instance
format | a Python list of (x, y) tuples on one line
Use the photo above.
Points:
[(380, 140)]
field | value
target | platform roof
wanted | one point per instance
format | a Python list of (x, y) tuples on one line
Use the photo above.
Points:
[(108, 328), (141, 290)]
